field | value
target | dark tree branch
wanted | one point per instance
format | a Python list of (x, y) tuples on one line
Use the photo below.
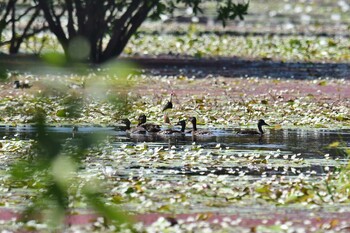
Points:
[(19, 40), (134, 24), (81, 15), (119, 25), (70, 24), (34, 32), (54, 27), (9, 7), (115, 20), (26, 12)]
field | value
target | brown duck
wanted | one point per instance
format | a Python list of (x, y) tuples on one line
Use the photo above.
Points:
[(196, 131), (135, 130), (171, 131), (149, 127), (260, 131)]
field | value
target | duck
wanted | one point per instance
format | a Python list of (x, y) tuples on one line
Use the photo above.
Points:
[(135, 130), (260, 131), (149, 127), (183, 125), (172, 132), (195, 131), (74, 131), (23, 85), (168, 105)]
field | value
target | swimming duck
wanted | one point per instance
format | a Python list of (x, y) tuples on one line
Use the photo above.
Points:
[(195, 131), (135, 130), (183, 125), (171, 131), (149, 127), (260, 131), (74, 131), (19, 84)]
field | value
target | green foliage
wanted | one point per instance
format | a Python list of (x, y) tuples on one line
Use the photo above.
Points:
[(230, 10), (51, 167), (81, 33)]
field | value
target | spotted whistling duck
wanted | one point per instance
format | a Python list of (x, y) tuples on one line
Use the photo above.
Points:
[(74, 131), (260, 131), (168, 105), (19, 84), (149, 127), (195, 131), (135, 130), (172, 132), (183, 125)]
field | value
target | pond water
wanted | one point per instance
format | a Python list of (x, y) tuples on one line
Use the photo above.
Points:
[(277, 152)]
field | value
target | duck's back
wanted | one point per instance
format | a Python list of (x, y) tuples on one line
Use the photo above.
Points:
[(149, 127)]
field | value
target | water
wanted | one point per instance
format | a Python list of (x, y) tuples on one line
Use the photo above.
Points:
[(280, 147), (203, 168)]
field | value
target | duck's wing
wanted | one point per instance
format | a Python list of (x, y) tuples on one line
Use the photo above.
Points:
[(138, 130), (202, 132), (149, 127), (248, 132)]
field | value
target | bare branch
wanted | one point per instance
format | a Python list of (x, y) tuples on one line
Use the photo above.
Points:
[(55, 27), (70, 24)]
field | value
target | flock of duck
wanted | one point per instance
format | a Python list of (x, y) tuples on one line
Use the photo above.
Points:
[(144, 127)]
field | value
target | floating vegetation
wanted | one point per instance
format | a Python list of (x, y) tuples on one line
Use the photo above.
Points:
[(300, 163)]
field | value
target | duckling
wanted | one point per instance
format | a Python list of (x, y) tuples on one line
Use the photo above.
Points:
[(135, 130), (260, 131), (149, 127), (193, 120)]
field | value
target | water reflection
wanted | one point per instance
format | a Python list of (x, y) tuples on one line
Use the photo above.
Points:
[(310, 143)]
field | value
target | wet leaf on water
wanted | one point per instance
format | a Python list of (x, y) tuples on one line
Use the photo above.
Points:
[(263, 189), (61, 113), (334, 145), (164, 208), (320, 126), (277, 127), (334, 223), (130, 190), (204, 216), (117, 199), (322, 83), (264, 102)]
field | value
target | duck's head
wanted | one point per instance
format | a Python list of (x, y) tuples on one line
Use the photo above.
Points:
[(261, 122), (16, 84), (182, 123), (125, 121), (142, 119), (193, 120)]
